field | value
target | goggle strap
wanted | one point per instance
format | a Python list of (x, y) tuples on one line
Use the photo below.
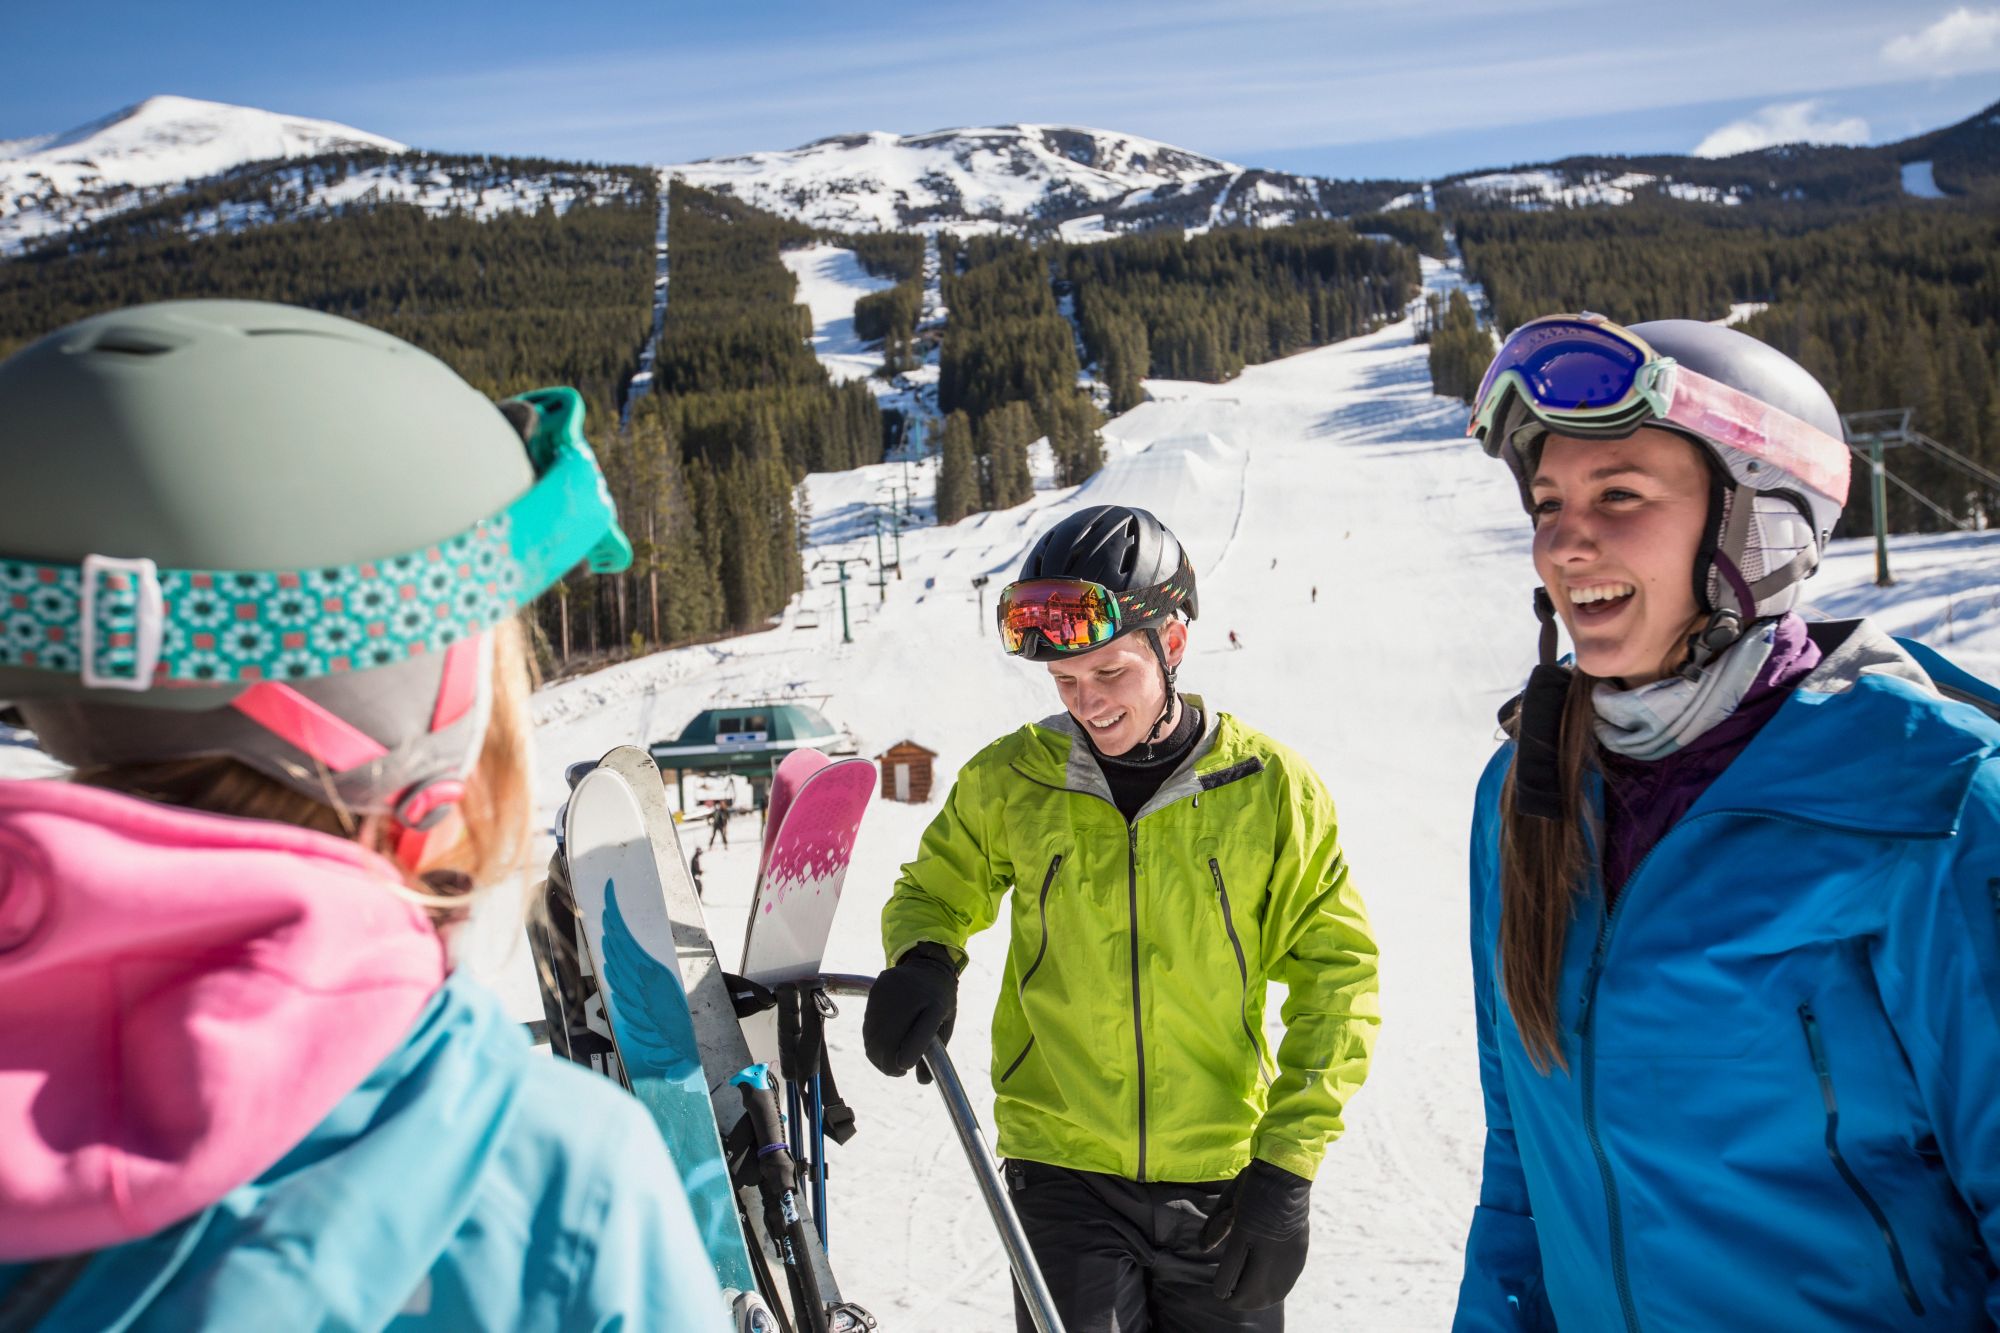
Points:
[(118, 625)]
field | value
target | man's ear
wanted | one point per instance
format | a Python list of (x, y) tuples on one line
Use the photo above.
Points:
[(1174, 639)]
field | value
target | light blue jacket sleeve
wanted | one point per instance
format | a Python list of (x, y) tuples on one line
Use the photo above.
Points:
[(647, 1266), (1502, 1286), (1938, 970)]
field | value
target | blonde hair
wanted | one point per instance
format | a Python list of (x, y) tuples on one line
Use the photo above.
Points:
[(494, 824)]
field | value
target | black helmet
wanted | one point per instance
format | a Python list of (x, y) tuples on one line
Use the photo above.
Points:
[(1130, 553), (1125, 549)]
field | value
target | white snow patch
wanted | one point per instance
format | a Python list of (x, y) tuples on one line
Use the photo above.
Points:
[(1543, 188), (1920, 182), (999, 176), (1740, 311), (1702, 194), (831, 280)]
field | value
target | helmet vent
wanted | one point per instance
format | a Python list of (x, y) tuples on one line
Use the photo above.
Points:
[(134, 342)]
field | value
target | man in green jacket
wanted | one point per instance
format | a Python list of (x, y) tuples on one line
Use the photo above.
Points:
[(1167, 863)]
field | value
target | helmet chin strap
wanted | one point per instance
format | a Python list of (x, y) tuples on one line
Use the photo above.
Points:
[(1167, 675), (1725, 624)]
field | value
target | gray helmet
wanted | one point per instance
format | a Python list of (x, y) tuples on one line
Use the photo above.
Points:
[(244, 529), (1768, 525)]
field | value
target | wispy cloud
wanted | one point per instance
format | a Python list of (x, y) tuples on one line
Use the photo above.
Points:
[(1965, 39), (1785, 122)]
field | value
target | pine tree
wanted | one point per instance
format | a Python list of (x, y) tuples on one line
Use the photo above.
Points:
[(957, 471)]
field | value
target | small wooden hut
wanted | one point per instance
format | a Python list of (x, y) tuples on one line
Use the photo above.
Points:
[(906, 772)]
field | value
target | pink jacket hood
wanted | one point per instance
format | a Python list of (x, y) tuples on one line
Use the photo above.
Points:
[(185, 996)]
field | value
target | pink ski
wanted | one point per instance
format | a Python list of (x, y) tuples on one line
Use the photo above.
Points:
[(785, 783), (808, 841)]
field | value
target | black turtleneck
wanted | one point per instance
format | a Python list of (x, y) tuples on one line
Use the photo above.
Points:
[(1137, 774)]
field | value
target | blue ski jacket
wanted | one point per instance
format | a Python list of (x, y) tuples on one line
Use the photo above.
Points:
[(1782, 1105), (469, 1183)]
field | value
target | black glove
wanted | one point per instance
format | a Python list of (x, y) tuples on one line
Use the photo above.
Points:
[(1260, 1225), (911, 1003)]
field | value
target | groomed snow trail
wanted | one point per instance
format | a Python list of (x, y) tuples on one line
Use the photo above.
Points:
[(1341, 467)]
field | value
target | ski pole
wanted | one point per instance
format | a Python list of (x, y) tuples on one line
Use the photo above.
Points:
[(778, 1175), (1027, 1273), (816, 1110)]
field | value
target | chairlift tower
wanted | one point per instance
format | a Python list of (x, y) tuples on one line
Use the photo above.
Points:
[(841, 563), (1879, 431)]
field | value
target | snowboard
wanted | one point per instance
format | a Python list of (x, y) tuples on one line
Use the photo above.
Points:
[(815, 810), (718, 1034), (619, 863)]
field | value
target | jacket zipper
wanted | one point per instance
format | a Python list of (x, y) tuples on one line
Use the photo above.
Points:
[(1587, 1075), (1242, 968), (1586, 1031), (1020, 991), (1817, 1049), (1132, 907), (1138, 1027)]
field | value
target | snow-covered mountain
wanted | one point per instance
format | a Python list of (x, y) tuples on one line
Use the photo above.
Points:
[(1005, 177), (1030, 179), (55, 182), (206, 167)]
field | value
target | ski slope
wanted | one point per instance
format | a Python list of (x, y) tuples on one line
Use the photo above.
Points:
[(1338, 469), (831, 280)]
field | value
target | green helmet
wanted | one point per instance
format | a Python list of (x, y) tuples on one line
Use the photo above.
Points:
[(247, 529)]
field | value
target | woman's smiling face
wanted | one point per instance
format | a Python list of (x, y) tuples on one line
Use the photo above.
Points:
[(1618, 524)]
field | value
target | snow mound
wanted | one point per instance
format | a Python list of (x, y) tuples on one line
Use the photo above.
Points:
[(1194, 481)]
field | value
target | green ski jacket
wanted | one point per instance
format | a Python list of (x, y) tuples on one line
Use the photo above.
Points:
[(1129, 1036)]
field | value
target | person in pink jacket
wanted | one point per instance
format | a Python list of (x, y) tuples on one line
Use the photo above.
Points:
[(259, 581)]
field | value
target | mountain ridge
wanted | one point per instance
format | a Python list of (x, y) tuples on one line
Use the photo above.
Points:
[(1029, 178)]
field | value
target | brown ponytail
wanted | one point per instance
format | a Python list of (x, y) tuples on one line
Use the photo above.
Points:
[(1543, 863)]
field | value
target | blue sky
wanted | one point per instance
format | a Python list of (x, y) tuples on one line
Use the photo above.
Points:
[(1334, 87)]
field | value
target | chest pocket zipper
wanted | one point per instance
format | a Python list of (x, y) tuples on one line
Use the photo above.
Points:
[(1048, 882), (1242, 968), (1824, 1071)]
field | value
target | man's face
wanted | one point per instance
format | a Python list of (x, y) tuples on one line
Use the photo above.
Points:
[(1115, 693)]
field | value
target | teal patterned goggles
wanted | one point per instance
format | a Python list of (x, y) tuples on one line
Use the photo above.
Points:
[(126, 624)]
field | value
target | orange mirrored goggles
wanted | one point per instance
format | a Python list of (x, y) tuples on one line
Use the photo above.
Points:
[(1072, 614)]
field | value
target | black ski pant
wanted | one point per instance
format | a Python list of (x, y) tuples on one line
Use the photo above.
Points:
[(1120, 1256)]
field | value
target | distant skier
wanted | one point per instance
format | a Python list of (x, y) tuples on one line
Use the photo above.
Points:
[(1315, 594), (1166, 863), (1735, 952), (694, 872), (1234, 642), (238, 1088), (718, 826)]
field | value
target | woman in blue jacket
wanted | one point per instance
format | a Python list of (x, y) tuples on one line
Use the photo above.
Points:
[(1735, 881), (258, 585)]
